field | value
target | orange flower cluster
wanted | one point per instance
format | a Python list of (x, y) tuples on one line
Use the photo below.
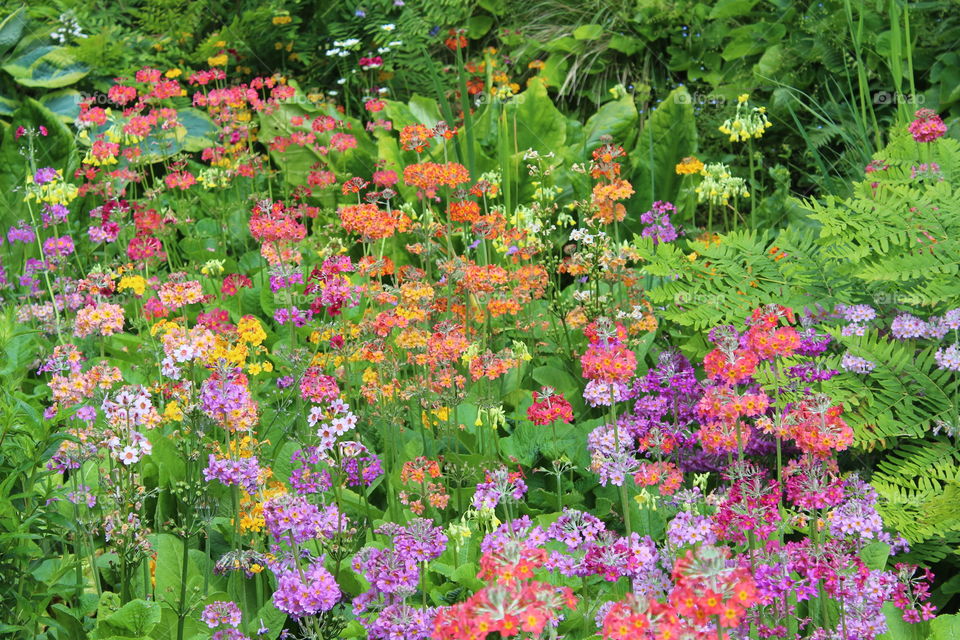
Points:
[(371, 222), (430, 176), (611, 187)]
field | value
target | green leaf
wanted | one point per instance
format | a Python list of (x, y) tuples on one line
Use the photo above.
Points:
[(613, 119), (588, 32), (46, 67), (425, 110), (477, 26), (899, 629), (945, 627), (875, 555), (669, 135), (731, 8), (65, 104), (139, 617), (625, 44), (11, 28), (539, 124)]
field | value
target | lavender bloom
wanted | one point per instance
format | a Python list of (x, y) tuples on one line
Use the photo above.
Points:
[(856, 364), (658, 220), (948, 357), (317, 591), (906, 326), (44, 175), (243, 472)]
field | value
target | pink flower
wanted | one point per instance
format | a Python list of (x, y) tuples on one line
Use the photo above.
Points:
[(927, 127)]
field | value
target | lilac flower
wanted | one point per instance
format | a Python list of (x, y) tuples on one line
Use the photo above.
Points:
[(221, 613), (611, 454), (576, 528), (952, 319), (52, 214), (658, 220), (856, 364), (44, 175), (419, 539), (22, 232), (284, 381), (598, 393), (293, 519), (387, 571), (398, 621), (500, 484), (948, 357), (906, 326), (689, 528), (858, 313), (317, 591), (244, 472), (56, 248)]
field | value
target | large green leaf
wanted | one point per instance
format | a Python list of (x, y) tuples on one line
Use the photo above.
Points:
[(538, 123), (46, 67), (669, 135), (613, 119), (11, 28), (65, 104)]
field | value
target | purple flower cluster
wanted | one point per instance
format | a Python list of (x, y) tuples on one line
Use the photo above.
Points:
[(244, 472), (856, 364), (658, 223), (53, 214), (399, 621), (56, 248), (303, 478), (857, 517), (292, 315), (22, 232), (599, 393), (361, 470), (44, 175), (611, 450), (948, 357), (293, 519), (388, 571), (419, 539), (499, 484), (314, 592), (221, 613), (221, 395), (576, 528), (689, 528)]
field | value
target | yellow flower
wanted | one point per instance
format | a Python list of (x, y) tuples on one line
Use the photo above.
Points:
[(218, 61), (282, 20), (173, 73), (689, 166), (137, 283), (743, 97), (172, 412)]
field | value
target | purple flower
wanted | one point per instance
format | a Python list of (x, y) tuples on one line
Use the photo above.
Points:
[(44, 175), (317, 591), (244, 472), (906, 326), (23, 232), (856, 364), (948, 357), (500, 484), (658, 222)]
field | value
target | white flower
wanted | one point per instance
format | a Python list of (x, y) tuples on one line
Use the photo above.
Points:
[(341, 81), (388, 27), (129, 455), (332, 52), (395, 43), (350, 42)]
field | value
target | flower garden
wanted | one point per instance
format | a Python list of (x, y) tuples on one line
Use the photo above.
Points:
[(469, 357)]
